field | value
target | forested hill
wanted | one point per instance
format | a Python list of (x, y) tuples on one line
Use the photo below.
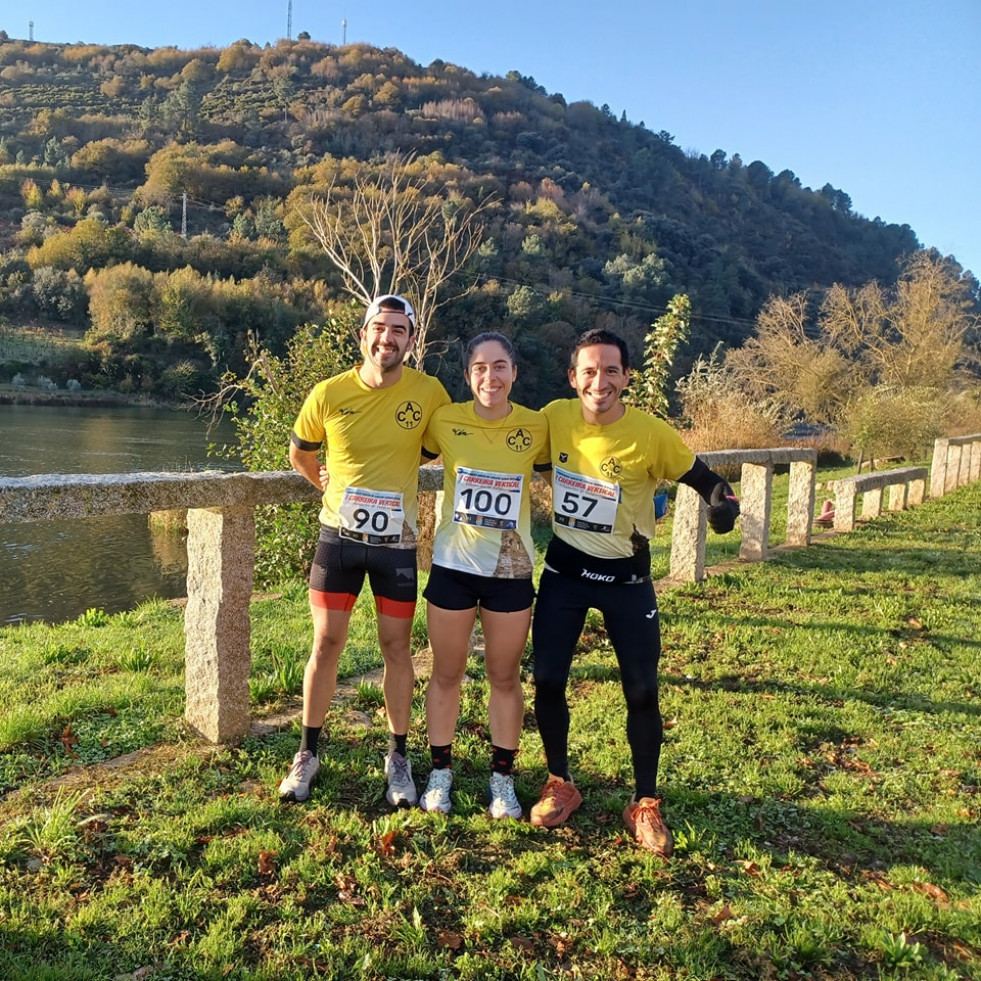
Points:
[(593, 219)]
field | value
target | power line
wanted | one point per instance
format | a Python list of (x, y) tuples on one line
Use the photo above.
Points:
[(606, 300)]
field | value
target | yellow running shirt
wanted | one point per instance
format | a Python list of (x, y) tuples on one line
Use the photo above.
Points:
[(485, 524), (373, 442), (604, 477)]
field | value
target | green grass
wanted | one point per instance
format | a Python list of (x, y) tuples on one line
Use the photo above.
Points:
[(33, 344), (820, 772)]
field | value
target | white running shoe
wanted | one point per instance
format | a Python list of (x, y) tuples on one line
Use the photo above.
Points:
[(504, 801), (398, 773), (295, 786), (437, 794)]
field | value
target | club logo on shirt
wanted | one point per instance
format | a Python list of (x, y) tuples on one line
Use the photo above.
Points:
[(409, 414), (519, 440), (462, 432), (563, 458), (349, 412), (610, 468)]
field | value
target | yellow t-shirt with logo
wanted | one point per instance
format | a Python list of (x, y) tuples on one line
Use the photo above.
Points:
[(373, 440), (604, 477), (485, 523)]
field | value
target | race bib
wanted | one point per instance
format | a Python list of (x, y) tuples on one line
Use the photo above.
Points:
[(584, 503), (490, 500), (370, 516)]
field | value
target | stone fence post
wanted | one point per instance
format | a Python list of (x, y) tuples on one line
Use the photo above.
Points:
[(756, 491), (956, 462)]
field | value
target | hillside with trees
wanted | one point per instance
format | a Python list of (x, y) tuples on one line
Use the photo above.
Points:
[(161, 200)]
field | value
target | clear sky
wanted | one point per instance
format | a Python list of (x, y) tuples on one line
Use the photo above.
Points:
[(880, 98)]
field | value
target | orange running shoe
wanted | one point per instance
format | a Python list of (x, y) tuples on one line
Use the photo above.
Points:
[(643, 818), (559, 799)]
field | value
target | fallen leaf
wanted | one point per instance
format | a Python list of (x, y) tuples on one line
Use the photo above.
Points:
[(68, 739), (929, 889), (670, 723), (267, 863), (386, 844), (446, 938), (523, 943), (724, 914), (347, 890), (940, 830), (750, 868)]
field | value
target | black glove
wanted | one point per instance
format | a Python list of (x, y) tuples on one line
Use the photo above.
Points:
[(723, 509)]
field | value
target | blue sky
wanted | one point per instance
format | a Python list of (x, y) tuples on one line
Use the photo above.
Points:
[(881, 98)]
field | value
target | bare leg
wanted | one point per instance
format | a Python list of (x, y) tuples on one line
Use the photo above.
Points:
[(449, 635), (320, 674), (394, 638), (505, 635)]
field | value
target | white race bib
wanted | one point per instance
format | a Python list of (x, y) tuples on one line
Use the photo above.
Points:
[(370, 516), (491, 500), (584, 503)]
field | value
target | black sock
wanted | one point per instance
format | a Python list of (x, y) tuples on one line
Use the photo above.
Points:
[(310, 738), (396, 743), (502, 760), (442, 756)]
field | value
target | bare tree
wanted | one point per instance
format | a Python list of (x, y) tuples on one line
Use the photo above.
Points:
[(390, 233), (910, 337)]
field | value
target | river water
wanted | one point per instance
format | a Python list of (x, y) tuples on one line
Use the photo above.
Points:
[(56, 570)]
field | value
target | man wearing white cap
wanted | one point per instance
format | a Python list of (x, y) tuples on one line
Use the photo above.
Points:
[(370, 420)]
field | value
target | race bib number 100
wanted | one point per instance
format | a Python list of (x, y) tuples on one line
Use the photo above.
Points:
[(490, 500), (370, 516), (584, 503)]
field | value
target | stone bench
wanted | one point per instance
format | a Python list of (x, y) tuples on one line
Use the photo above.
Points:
[(907, 486)]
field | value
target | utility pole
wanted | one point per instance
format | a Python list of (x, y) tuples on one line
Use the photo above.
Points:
[(184, 216), (289, 20)]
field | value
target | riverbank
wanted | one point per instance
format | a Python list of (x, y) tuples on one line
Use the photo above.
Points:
[(89, 400)]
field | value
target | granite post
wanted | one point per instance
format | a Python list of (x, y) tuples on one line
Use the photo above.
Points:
[(220, 558)]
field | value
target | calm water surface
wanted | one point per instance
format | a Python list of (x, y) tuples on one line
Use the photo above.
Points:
[(56, 570)]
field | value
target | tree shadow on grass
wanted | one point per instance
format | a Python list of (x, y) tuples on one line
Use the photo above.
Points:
[(827, 694)]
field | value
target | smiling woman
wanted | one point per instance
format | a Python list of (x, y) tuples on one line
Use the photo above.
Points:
[(55, 570)]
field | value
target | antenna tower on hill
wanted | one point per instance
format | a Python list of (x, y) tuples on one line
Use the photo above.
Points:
[(289, 20), (30, 31)]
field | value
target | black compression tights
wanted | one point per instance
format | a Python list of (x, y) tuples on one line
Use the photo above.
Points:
[(632, 623)]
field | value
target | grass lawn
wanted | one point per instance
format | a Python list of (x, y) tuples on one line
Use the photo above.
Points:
[(820, 773)]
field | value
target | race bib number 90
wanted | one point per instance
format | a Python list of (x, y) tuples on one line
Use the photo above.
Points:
[(584, 503), (370, 516), (490, 500)]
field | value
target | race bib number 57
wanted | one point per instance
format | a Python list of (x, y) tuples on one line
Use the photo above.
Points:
[(584, 503), (370, 516)]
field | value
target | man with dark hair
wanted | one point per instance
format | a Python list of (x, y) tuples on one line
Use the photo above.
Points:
[(607, 460), (371, 420)]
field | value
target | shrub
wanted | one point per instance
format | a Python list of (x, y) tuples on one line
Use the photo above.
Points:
[(718, 413), (274, 390), (891, 421)]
